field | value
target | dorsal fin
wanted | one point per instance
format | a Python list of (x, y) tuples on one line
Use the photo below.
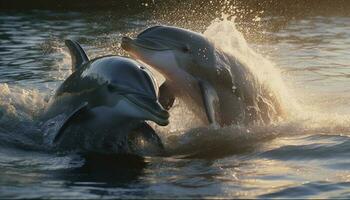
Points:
[(77, 54)]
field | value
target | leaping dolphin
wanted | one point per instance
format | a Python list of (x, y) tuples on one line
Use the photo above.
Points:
[(102, 101), (216, 86)]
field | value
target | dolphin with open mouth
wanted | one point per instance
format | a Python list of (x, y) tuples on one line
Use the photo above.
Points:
[(102, 101), (218, 88)]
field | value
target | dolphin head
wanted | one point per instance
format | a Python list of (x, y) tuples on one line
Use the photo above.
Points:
[(127, 87), (171, 50)]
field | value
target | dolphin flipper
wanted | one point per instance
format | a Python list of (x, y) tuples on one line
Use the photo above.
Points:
[(166, 96), (81, 109), (211, 102), (77, 54)]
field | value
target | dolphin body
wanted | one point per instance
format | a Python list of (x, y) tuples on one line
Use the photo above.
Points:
[(105, 101), (216, 86)]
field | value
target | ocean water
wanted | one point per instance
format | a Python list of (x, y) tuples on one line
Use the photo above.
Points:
[(304, 59)]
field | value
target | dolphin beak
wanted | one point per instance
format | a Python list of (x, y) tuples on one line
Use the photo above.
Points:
[(129, 44), (151, 109)]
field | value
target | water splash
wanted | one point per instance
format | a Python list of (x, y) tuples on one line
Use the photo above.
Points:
[(62, 59), (225, 36), (20, 103), (19, 109)]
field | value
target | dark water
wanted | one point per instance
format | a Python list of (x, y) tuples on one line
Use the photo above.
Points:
[(306, 156)]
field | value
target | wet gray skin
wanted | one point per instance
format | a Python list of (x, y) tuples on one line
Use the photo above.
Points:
[(216, 86), (103, 100)]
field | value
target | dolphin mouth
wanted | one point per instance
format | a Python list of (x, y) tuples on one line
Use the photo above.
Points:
[(146, 43), (150, 106)]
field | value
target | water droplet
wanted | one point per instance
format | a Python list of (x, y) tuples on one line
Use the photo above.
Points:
[(234, 88)]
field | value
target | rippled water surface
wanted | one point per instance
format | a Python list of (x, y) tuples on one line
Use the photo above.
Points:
[(306, 156)]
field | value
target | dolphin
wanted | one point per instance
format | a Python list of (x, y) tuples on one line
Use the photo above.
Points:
[(102, 101), (218, 88)]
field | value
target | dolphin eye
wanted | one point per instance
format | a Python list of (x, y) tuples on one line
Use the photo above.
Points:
[(111, 88), (185, 49)]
